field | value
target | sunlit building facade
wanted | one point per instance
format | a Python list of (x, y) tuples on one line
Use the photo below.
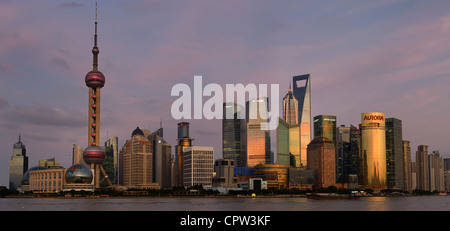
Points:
[(407, 174), (276, 175), (136, 165), (283, 154), (422, 168), (290, 108), (48, 180), (198, 167), (258, 138), (321, 159), (302, 92), (18, 165), (373, 150), (184, 141), (325, 126)]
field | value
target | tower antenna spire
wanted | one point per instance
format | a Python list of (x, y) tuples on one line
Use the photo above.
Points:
[(95, 49)]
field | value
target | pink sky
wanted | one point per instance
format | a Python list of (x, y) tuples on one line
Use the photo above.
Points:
[(363, 56)]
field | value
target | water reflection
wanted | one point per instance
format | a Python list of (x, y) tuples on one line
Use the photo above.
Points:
[(424, 203), (377, 204)]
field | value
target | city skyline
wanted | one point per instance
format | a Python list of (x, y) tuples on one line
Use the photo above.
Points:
[(386, 56)]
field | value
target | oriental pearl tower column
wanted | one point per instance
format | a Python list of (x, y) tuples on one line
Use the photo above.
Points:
[(94, 155)]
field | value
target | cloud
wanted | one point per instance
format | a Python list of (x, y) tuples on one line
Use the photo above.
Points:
[(60, 63), (42, 115)]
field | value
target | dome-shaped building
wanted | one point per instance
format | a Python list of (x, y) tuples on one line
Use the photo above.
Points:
[(79, 177), (137, 132), (79, 174)]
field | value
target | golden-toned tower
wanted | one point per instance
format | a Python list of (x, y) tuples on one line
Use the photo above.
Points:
[(373, 150)]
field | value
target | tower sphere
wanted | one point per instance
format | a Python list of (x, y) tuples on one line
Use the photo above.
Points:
[(93, 155), (95, 79), (79, 174)]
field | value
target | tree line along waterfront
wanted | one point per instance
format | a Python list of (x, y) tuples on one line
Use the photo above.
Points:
[(199, 191)]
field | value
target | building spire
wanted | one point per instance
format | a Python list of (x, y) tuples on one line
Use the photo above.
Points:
[(95, 49)]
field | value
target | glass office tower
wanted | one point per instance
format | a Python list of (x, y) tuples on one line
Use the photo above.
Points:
[(258, 139), (234, 134), (394, 153), (283, 154), (111, 163), (302, 92), (325, 126), (373, 150)]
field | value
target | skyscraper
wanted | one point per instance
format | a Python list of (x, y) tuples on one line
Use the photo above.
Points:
[(184, 141), (407, 174), (258, 139), (136, 161), (283, 154), (422, 168), (18, 165), (77, 154), (347, 149), (302, 92), (234, 136), (111, 163), (373, 150), (436, 164), (321, 159), (325, 126), (290, 108), (342, 146), (94, 155), (394, 153), (161, 159)]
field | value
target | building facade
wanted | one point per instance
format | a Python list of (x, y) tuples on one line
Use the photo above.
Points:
[(302, 92), (373, 150), (77, 154), (184, 141), (321, 159), (258, 138), (224, 173), (394, 153), (283, 153), (162, 152), (422, 168), (198, 166), (48, 180), (136, 162), (407, 174), (18, 165), (436, 164), (276, 175), (325, 126), (111, 163), (234, 135)]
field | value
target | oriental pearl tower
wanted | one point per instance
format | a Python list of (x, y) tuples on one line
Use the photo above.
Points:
[(94, 155)]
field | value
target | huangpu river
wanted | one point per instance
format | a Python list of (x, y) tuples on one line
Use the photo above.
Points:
[(407, 203)]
